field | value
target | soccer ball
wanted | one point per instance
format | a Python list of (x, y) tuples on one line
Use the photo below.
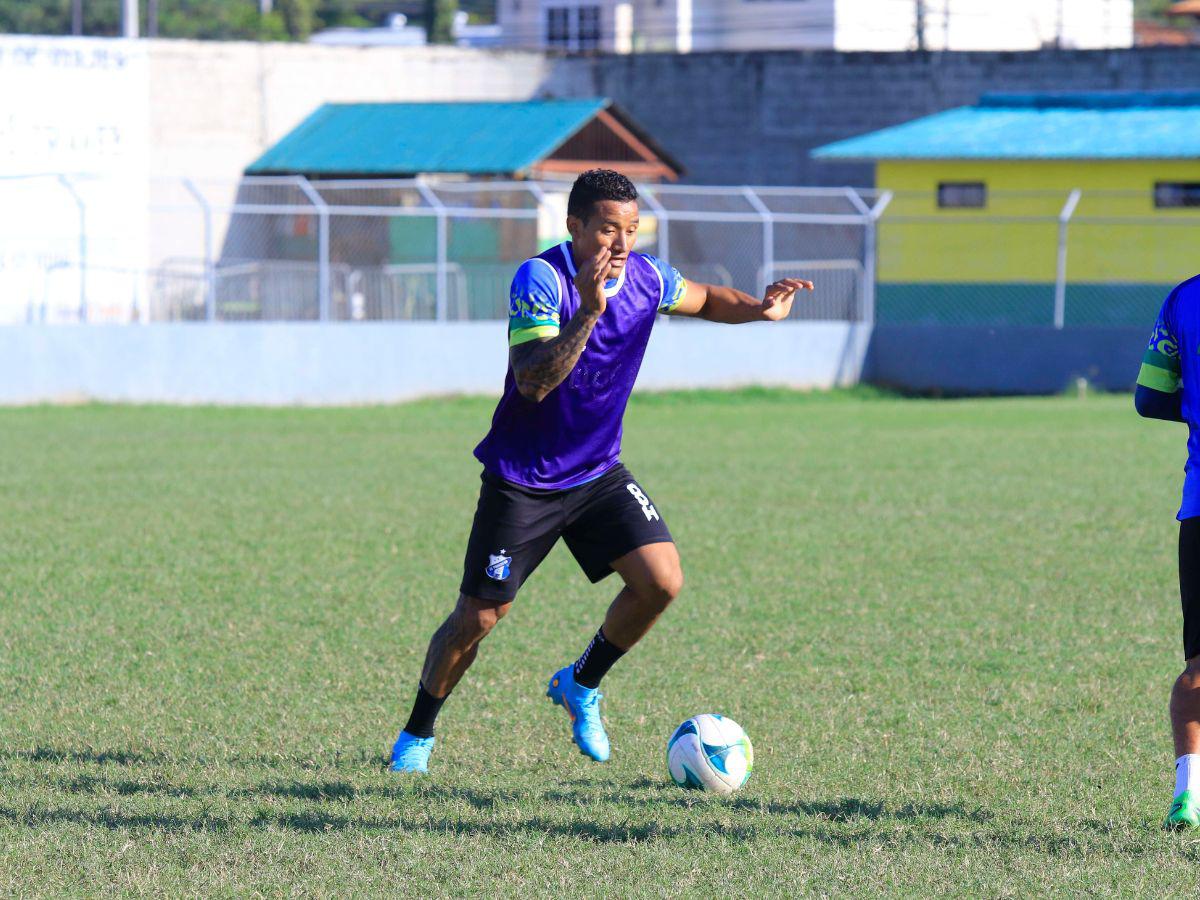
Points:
[(710, 753)]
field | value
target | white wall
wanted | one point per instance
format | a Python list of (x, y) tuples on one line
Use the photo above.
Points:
[(283, 364), (764, 24), (122, 117), (984, 24), (852, 25), (77, 107), (215, 107)]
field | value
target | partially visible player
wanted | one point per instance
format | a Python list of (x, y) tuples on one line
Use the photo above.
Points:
[(1166, 387), (580, 316)]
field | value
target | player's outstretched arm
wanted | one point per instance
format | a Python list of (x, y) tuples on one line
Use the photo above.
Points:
[(1154, 404), (732, 307)]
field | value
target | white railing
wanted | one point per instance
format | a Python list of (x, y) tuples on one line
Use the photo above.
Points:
[(80, 249), (289, 248)]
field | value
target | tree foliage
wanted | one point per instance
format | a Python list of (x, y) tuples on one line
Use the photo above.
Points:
[(1152, 9), (439, 21), (198, 19)]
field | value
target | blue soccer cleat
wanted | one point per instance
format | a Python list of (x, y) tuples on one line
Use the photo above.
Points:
[(411, 753), (583, 706)]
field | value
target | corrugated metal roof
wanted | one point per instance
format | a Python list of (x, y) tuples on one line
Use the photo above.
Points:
[(408, 138), (1101, 125)]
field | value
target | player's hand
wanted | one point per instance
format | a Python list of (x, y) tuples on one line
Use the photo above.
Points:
[(589, 281), (777, 302)]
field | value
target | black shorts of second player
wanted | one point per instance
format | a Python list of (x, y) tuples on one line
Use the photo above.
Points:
[(1189, 585), (516, 527)]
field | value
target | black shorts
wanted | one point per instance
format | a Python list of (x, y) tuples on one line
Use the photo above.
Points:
[(1189, 585), (515, 527)]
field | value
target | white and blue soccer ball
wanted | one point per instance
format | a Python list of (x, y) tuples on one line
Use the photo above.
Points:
[(710, 753)]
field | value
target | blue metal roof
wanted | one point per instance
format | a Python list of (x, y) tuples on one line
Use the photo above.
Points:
[(408, 138), (1099, 125)]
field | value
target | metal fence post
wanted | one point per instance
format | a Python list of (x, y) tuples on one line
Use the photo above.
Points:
[(871, 254), (1060, 281), (443, 239), (323, 270), (210, 298), (663, 221), (866, 282), (83, 242), (663, 226), (768, 239)]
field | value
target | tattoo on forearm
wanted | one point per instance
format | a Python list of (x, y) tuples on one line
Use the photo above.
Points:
[(541, 366)]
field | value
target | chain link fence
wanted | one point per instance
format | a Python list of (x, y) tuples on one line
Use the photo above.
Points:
[(1033, 258), (80, 249), (291, 249)]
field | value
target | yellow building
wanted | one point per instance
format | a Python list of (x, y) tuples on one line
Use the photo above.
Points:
[(1022, 205)]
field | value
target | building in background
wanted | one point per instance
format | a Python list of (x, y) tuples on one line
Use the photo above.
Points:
[(398, 33), (984, 194), (1186, 14), (516, 139), (624, 26), (381, 263)]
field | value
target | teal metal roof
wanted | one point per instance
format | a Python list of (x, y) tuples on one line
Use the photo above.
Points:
[(408, 138), (1100, 125)]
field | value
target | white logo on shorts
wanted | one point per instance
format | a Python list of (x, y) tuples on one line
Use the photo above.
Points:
[(647, 507), (498, 566)]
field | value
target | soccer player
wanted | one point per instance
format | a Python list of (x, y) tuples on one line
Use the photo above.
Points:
[(580, 316), (1166, 384)]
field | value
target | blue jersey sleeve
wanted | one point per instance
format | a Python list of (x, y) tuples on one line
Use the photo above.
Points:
[(534, 302), (1160, 366), (674, 284)]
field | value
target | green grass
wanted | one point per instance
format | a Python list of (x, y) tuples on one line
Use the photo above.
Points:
[(949, 628)]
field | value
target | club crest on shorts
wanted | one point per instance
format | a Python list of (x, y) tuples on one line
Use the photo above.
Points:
[(498, 566)]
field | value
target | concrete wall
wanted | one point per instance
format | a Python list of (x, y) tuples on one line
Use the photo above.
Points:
[(963, 360), (277, 364), (310, 364), (215, 107), (737, 118), (83, 104)]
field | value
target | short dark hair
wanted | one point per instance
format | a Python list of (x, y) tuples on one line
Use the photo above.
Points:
[(595, 185)]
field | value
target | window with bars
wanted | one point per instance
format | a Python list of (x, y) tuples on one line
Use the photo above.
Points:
[(962, 195), (589, 27), (558, 27), (1176, 194)]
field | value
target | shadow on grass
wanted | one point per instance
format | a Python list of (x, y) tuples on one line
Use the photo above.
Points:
[(572, 809), (89, 784), (100, 756), (84, 755), (1087, 836)]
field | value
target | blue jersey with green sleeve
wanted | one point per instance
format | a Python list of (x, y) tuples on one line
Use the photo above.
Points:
[(1171, 364)]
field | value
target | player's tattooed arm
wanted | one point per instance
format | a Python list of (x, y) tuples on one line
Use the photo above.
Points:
[(541, 366)]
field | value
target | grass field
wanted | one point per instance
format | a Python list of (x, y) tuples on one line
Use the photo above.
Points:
[(949, 628)]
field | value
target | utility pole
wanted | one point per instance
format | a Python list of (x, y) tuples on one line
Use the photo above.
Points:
[(77, 17), (920, 24), (152, 18), (1058, 27), (129, 18)]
